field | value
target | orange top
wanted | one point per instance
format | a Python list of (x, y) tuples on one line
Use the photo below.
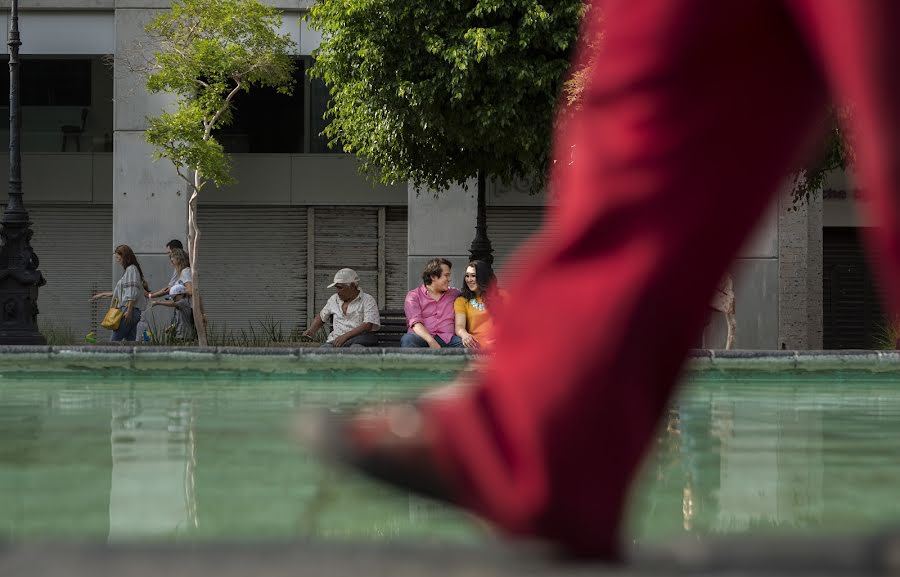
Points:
[(478, 320)]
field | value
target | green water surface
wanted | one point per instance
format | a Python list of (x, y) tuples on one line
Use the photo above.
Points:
[(108, 456)]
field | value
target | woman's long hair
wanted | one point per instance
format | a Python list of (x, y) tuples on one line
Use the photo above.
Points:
[(180, 259), (484, 278), (128, 259)]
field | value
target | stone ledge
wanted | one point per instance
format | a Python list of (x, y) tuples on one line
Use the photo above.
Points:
[(299, 359), (873, 555), (277, 359), (845, 360)]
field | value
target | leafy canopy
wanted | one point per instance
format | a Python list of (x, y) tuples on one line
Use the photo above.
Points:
[(434, 91), (208, 51), (835, 152)]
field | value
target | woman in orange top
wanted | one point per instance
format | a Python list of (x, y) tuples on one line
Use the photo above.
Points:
[(473, 322)]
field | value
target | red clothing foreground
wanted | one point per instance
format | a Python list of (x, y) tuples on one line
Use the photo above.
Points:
[(696, 111)]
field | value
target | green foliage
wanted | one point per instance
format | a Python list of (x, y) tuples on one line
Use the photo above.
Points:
[(209, 51), (433, 92), (268, 334), (835, 153), (888, 336), (57, 333)]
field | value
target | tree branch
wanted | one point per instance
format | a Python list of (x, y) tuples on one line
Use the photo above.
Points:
[(221, 111)]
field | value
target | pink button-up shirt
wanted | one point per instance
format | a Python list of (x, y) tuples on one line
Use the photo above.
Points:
[(436, 315)]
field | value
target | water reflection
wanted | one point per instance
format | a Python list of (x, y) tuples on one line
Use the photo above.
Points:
[(20, 427), (746, 457), (112, 456), (206, 456), (153, 489)]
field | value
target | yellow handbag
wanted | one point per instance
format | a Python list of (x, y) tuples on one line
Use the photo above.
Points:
[(113, 316)]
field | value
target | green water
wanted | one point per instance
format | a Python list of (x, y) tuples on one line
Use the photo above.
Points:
[(191, 456)]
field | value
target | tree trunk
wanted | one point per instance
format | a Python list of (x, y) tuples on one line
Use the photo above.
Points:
[(193, 245), (481, 248)]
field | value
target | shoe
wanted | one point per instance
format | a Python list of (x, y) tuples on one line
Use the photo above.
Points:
[(387, 443)]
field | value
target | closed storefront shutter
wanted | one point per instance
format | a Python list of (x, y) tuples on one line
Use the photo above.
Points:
[(345, 237), (74, 245), (396, 222), (253, 266), (853, 318), (508, 228)]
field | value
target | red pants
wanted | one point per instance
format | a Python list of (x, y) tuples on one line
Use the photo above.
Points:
[(695, 113)]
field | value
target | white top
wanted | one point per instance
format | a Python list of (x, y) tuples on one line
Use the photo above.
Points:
[(185, 277), (130, 288), (362, 309)]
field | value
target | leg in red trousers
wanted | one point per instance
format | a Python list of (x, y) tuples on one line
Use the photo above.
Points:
[(858, 44), (696, 111)]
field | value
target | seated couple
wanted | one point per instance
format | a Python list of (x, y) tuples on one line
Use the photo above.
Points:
[(441, 316), (354, 314)]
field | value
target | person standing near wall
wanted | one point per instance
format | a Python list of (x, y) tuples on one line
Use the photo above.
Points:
[(170, 246), (128, 294)]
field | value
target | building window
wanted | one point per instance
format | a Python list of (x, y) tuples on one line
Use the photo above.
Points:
[(67, 104), (318, 105), (51, 82), (266, 121)]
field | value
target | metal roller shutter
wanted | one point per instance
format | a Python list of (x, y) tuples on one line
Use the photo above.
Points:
[(345, 237), (74, 244), (509, 227), (853, 318), (253, 265), (396, 250)]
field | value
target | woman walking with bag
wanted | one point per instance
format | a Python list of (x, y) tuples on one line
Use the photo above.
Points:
[(179, 298), (127, 297)]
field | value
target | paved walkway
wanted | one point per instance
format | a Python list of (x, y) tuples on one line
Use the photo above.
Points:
[(873, 556)]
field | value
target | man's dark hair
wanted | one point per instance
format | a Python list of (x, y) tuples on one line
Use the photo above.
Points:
[(433, 269), (175, 243)]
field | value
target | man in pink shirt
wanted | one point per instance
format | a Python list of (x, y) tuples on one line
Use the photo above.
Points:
[(429, 309)]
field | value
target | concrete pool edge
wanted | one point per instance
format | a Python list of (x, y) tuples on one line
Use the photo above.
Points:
[(836, 555), (300, 359)]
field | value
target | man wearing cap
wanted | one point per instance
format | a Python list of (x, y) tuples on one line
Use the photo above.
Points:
[(354, 313)]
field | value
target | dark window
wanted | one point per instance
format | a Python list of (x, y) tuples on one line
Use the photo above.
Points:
[(266, 121), (318, 105), (50, 82)]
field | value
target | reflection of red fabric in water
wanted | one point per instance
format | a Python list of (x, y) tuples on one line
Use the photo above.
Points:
[(696, 111)]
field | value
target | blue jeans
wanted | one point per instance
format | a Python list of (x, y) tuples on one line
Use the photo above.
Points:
[(412, 340), (127, 331)]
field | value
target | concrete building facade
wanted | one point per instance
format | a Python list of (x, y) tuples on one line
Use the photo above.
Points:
[(298, 211)]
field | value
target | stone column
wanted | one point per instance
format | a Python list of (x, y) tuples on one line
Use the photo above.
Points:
[(800, 273), (441, 225), (149, 199)]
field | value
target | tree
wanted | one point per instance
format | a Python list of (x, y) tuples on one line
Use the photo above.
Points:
[(437, 92), (835, 152), (208, 51)]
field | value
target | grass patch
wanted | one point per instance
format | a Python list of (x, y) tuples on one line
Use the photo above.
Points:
[(58, 334)]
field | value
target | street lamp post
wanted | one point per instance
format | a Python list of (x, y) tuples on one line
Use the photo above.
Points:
[(19, 274), (481, 248)]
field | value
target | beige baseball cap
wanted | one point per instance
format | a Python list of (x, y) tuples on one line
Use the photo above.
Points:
[(345, 276)]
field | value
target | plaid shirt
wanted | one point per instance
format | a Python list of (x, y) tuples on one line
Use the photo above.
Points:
[(362, 309)]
